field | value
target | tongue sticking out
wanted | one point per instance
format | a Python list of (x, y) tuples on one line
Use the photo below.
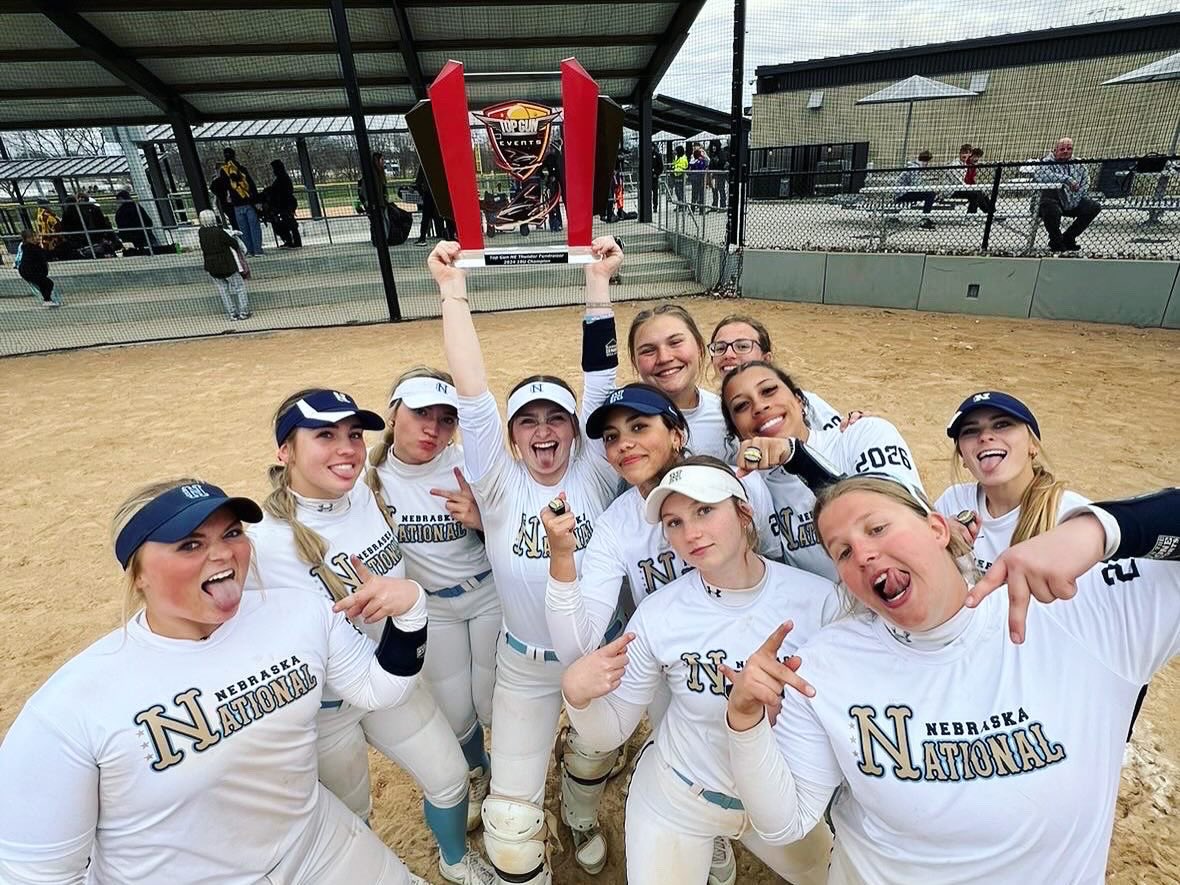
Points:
[(226, 594), (896, 583), (546, 457)]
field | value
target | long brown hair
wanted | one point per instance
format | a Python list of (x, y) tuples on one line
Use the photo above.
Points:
[(782, 376)]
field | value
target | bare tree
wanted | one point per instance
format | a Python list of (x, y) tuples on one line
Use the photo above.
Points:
[(53, 142)]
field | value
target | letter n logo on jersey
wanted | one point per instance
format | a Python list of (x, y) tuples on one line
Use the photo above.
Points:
[(160, 729)]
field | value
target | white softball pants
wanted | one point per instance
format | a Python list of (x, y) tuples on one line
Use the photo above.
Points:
[(461, 655), (414, 734), (337, 849), (669, 833)]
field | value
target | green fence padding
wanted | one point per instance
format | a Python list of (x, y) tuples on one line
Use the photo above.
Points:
[(981, 286), (1172, 312), (784, 276), (873, 280), (1133, 293)]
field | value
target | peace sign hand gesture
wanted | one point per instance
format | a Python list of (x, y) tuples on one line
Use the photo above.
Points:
[(378, 597), (461, 503), (596, 674), (760, 683)]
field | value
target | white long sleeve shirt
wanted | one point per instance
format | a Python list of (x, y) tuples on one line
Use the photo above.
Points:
[(971, 759), (510, 503), (682, 634), (995, 532), (707, 434), (179, 761)]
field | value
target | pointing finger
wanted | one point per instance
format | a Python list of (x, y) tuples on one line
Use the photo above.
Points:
[(462, 480), (996, 576), (362, 570)]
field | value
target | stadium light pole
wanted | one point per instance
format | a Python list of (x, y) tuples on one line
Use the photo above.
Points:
[(356, 110)]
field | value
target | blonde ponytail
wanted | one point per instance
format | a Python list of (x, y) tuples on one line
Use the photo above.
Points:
[(1040, 502), (310, 547)]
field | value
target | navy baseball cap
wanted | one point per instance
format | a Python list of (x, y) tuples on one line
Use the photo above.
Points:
[(636, 397), (323, 408), (992, 399), (175, 514)]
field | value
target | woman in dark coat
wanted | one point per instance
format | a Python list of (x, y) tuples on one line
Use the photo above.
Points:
[(281, 201)]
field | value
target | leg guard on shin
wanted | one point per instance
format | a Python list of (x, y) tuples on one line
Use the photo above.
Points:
[(514, 834), (479, 772), (583, 779)]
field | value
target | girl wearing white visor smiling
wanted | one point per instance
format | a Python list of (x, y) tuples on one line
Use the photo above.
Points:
[(683, 638), (767, 411), (978, 739), (181, 747), (324, 530), (543, 429), (415, 470)]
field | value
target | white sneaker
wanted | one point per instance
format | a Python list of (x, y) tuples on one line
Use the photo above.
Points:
[(479, 782), (471, 870), (723, 869)]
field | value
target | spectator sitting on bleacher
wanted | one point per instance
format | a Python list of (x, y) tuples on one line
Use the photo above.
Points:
[(135, 226), (914, 175), (976, 200), (1068, 199)]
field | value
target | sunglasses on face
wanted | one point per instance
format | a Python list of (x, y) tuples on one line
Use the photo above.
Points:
[(742, 345)]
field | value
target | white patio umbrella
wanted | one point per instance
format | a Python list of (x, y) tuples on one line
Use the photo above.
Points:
[(1157, 71), (909, 90)]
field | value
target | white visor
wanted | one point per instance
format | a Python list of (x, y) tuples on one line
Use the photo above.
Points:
[(537, 390), (709, 485), (417, 393)]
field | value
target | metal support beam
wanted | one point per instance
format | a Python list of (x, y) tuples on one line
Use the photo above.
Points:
[(737, 128), (156, 180), (100, 49), (645, 180), (313, 198), (405, 41), (368, 176), (59, 186), (670, 43), (187, 148)]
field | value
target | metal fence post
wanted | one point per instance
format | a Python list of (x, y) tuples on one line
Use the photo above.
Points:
[(987, 225)]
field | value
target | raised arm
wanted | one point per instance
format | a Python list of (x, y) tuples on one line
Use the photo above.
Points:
[(460, 342)]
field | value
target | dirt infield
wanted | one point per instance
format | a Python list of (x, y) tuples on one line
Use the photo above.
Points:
[(86, 427)]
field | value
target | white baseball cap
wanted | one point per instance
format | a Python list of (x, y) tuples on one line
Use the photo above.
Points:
[(541, 390), (423, 391), (701, 482)]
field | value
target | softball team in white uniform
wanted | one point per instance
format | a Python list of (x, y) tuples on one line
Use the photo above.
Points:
[(414, 462), (321, 450), (181, 747), (966, 756), (682, 638), (766, 412), (511, 493)]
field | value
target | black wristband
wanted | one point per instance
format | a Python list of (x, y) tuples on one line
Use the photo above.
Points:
[(1149, 525), (600, 347), (399, 652), (815, 471)]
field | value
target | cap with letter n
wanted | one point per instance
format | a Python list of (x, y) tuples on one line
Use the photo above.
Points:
[(423, 391), (701, 482), (532, 391), (323, 408), (637, 398), (992, 399), (175, 514)]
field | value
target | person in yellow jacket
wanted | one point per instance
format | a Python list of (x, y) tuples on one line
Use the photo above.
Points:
[(679, 170)]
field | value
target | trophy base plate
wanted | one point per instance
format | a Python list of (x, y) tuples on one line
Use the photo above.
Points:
[(522, 256)]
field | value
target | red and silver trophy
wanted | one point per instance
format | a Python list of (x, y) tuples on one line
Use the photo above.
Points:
[(524, 139)]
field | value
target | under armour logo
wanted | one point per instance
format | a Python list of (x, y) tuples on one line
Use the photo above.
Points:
[(194, 492), (981, 397), (324, 506), (713, 591), (902, 635)]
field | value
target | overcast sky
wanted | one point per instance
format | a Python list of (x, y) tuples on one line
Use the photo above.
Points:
[(778, 32)]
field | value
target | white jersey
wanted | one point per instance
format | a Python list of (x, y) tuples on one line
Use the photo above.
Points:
[(972, 759), (995, 532), (439, 552), (510, 503), (351, 525), (626, 546), (172, 760), (682, 636), (871, 444)]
